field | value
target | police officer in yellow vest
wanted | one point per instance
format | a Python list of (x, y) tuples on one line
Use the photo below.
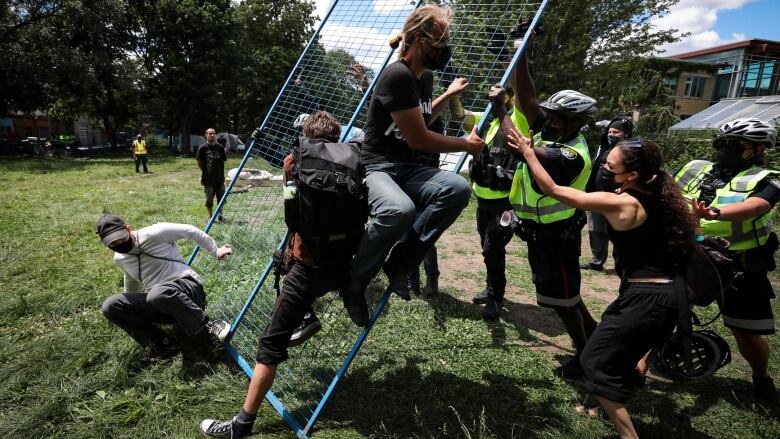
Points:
[(552, 228), (139, 153), (491, 175), (733, 198)]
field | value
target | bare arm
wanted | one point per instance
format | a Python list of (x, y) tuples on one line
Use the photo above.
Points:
[(457, 86), (750, 208), (525, 91), (417, 135), (622, 211)]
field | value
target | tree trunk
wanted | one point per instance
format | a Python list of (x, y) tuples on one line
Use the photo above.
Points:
[(185, 124)]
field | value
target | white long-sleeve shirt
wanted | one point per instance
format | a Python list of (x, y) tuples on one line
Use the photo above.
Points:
[(142, 271)]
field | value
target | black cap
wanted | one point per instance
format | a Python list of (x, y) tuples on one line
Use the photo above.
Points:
[(111, 228)]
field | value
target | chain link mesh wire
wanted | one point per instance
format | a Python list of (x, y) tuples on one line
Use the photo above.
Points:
[(335, 74)]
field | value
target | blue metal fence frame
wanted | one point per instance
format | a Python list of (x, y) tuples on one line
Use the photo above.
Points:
[(304, 431)]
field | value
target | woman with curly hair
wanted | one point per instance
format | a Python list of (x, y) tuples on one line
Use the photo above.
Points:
[(652, 229)]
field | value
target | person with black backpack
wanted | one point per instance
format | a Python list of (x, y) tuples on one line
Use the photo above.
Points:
[(734, 199), (325, 211), (652, 231)]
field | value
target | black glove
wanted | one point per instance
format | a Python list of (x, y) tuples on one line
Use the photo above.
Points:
[(521, 28)]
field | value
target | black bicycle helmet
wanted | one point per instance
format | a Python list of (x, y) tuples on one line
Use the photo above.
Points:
[(709, 352)]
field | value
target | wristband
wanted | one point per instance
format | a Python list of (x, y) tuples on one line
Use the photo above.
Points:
[(717, 212)]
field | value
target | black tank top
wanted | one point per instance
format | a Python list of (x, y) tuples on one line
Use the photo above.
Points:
[(641, 251)]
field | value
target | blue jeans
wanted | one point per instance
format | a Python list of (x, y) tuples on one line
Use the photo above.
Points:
[(410, 201)]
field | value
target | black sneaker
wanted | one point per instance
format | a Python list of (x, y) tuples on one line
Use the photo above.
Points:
[(571, 370), (355, 304), (397, 284), (218, 329), (158, 351), (492, 309), (764, 391), (308, 327), (481, 297), (225, 429), (431, 286)]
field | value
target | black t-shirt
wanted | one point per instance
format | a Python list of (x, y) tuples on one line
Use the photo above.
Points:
[(432, 159), (396, 89), (213, 158)]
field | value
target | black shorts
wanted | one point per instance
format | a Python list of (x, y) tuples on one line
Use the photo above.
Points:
[(302, 285), (746, 305), (554, 256), (642, 318), (211, 191)]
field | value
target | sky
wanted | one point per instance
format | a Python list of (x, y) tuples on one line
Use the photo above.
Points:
[(710, 22), (716, 22)]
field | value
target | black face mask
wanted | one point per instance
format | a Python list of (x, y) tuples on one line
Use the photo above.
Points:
[(613, 140), (550, 134), (438, 62), (607, 182), (731, 158), (125, 247)]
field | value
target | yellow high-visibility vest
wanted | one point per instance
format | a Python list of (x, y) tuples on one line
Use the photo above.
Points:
[(743, 235), (139, 146), (520, 122), (534, 206)]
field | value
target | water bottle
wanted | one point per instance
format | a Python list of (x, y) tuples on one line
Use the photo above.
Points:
[(290, 190)]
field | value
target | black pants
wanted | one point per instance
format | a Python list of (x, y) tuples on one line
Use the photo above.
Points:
[(302, 285), (140, 158), (181, 301), (494, 238), (641, 318)]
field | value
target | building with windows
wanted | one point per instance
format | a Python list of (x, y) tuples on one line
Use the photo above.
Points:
[(744, 69)]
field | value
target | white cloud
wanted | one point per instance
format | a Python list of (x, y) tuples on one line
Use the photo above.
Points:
[(368, 46), (697, 17), (379, 6)]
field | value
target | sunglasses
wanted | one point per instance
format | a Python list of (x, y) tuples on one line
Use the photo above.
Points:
[(729, 143)]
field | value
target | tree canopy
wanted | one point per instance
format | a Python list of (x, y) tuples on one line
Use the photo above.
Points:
[(144, 64)]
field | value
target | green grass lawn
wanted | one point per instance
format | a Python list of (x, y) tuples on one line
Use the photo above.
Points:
[(430, 369)]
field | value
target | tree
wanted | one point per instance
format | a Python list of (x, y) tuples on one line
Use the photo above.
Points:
[(182, 44), (581, 36)]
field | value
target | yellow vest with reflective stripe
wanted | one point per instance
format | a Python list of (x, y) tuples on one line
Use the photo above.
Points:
[(534, 206), (139, 146), (520, 122), (743, 235)]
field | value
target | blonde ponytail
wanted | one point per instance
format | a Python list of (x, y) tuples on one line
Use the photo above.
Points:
[(395, 41), (422, 20)]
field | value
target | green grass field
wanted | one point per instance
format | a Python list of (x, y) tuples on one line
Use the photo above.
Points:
[(431, 369)]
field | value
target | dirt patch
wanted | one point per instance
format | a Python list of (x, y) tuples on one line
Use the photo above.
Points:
[(463, 275)]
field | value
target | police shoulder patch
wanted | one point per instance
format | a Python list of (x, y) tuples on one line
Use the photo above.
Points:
[(569, 153), (774, 181)]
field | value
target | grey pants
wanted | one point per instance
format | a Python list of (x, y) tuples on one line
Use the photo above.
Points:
[(599, 239), (181, 302)]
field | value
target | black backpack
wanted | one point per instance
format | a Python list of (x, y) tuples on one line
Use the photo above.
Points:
[(708, 270), (330, 209)]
